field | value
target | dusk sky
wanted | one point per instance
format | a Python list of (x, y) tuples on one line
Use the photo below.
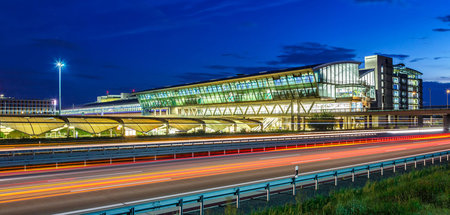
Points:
[(119, 45)]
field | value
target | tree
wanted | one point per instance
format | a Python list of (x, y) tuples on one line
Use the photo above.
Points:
[(322, 121)]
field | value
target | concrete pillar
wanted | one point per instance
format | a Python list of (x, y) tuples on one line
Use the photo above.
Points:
[(370, 121), (292, 123), (420, 121), (396, 121), (446, 122)]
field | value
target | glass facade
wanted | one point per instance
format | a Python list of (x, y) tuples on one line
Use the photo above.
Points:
[(409, 83), (281, 86), (341, 80)]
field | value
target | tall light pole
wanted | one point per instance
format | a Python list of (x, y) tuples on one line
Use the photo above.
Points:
[(448, 92), (59, 64)]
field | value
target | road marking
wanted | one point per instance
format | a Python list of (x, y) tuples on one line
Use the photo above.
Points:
[(305, 161), (369, 147), (120, 173), (234, 185), (393, 150), (116, 185)]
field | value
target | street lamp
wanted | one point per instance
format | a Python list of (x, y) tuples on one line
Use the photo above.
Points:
[(59, 64), (448, 92)]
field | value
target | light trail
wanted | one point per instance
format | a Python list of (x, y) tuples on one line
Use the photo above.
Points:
[(64, 186), (101, 163)]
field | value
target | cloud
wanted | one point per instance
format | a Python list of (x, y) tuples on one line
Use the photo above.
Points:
[(199, 76), (417, 59), (396, 56), (55, 43), (233, 55), (243, 69), (312, 53), (441, 29), (444, 18), (438, 58)]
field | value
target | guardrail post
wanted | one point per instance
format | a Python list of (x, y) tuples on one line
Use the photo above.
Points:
[(268, 191), (131, 211), (447, 156), (393, 163), (406, 162), (440, 158), (110, 160), (368, 171), (381, 169), (293, 186), (424, 160), (432, 159), (238, 197), (353, 175), (200, 200), (316, 182), (335, 178), (415, 163), (180, 207)]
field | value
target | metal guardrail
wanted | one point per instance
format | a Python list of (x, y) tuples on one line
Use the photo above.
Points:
[(65, 155), (237, 194)]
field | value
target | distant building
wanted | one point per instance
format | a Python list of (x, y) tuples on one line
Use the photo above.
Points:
[(109, 105), (13, 106), (392, 86)]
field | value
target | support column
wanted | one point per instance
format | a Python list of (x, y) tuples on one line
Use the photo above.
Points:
[(420, 121), (446, 119), (396, 121), (370, 121)]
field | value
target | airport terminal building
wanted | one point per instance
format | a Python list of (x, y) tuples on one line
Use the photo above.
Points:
[(265, 101)]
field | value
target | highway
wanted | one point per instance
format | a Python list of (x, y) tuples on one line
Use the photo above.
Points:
[(58, 191)]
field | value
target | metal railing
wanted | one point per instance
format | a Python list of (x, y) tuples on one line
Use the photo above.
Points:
[(171, 150), (237, 194)]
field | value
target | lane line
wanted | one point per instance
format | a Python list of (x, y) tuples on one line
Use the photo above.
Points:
[(312, 160), (393, 150), (116, 185)]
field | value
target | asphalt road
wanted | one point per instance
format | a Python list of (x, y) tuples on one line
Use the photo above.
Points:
[(56, 191)]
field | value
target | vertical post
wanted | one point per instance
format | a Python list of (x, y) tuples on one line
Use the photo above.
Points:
[(134, 159), (335, 178), (368, 171), (424, 161), (84, 162), (238, 197), (131, 211), (381, 170), (268, 191), (440, 158), (200, 200), (353, 175), (415, 163), (394, 166), (110, 160), (293, 186), (316, 181), (405, 164), (180, 207), (432, 159)]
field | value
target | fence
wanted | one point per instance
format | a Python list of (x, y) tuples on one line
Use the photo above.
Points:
[(237, 194)]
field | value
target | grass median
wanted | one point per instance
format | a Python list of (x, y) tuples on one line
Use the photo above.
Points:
[(425, 191)]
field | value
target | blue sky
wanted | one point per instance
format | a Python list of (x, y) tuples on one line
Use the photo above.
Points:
[(124, 45)]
